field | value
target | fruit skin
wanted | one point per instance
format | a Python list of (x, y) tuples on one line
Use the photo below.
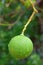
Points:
[(20, 47)]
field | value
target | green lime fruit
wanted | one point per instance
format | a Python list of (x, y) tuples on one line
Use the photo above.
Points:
[(20, 47), (34, 60)]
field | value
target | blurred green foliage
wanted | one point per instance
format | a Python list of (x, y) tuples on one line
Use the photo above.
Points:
[(13, 17), (34, 60)]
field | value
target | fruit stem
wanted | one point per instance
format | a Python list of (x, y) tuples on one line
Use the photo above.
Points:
[(35, 11), (25, 26)]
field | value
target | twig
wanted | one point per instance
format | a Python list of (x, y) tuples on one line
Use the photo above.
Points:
[(33, 6), (35, 11), (28, 22), (12, 24), (13, 12), (3, 24)]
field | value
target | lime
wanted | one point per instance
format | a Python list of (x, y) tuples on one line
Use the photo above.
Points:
[(20, 47), (34, 60)]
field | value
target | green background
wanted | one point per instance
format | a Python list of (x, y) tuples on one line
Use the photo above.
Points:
[(13, 16)]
